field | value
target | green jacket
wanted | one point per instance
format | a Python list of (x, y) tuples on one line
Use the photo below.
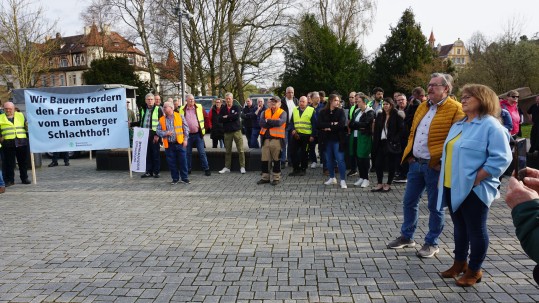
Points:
[(526, 220)]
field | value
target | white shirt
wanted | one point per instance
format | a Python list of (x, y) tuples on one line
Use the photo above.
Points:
[(421, 137), (291, 106)]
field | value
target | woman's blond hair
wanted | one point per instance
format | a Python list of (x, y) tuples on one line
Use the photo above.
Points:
[(488, 100)]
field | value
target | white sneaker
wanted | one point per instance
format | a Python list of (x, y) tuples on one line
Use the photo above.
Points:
[(224, 170), (365, 183), (358, 182), (314, 165), (331, 181), (343, 184), (242, 170)]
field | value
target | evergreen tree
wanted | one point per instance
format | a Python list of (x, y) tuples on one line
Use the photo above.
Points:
[(405, 50), (316, 60), (116, 70)]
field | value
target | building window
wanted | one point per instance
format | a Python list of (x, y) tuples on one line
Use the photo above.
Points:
[(63, 62), (53, 80), (458, 51), (62, 80), (131, 60), (44, 81), (73, 79)]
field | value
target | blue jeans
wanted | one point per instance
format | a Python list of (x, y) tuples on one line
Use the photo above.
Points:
[(196, 141), (254, 138), (421, 177), (176, 154), (2, 184), (470, 229), (333, 154)]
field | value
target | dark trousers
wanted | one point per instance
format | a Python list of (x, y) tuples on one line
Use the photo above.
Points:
[(177, 161), (153, 161), (10, 154), (385, 159), (221, 143), (534, 139), (470, 229), (300, 151), (56, 155), (312, 151)]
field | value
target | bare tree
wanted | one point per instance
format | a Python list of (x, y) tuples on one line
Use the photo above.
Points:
[(137, 15), (349, 19), (21, 32)]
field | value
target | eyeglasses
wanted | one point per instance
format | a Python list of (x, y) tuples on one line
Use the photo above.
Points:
[(515, 97), (435, 84)]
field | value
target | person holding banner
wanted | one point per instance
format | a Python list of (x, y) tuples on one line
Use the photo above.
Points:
[(174, 130), (149, 118), (14, 140)]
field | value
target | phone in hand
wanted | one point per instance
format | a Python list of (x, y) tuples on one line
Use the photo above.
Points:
[(519, 154)]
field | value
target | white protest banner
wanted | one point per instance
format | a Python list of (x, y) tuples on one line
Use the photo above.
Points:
[(140, 146), (74, 122)]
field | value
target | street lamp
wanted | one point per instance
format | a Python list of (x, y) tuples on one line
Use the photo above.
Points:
[(181, 13)]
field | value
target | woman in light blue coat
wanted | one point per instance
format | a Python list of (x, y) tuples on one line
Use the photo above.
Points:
[(476, 152)]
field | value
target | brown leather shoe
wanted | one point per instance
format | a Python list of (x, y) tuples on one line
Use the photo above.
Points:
[(2, 189), (455, 270), (470, 278)]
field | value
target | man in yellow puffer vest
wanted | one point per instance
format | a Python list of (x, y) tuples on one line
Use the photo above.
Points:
[(14, 139), (174, 130), (430, 127)]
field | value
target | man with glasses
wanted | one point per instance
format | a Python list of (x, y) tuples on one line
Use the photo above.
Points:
[(430, 127), (511, 105)]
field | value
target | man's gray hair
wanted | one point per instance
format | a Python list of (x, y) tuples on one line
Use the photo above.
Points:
[(189, 96), (168, 104), (229, 95), (315, 95), (447, 80), (149, 95), (289, 88)]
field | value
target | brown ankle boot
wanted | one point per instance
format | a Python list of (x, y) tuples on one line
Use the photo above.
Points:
[(457, 268), (470, 278)]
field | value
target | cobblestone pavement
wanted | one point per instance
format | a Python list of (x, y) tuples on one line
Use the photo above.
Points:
[(81, 235)]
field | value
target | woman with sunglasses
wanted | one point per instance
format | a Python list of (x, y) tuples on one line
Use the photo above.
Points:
[(511, 105)]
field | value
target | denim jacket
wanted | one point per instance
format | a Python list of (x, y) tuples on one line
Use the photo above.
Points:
[(484, 143)]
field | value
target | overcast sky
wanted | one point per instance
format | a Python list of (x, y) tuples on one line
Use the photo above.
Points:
[(449, 21)]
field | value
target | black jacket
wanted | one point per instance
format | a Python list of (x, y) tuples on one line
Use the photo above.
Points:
[(338, 131), (365, 121), (232, 121), (284, 106), (394, 128), (217, 131)]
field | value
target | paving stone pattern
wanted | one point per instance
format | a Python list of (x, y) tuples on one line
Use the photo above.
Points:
[(82, 235)]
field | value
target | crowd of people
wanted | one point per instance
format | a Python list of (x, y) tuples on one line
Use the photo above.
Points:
[(456, 151)]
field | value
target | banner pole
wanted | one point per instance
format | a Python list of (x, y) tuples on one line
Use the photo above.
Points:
[(129, 159), (34, 179)]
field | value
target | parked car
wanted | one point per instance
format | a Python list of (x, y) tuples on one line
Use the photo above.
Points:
[(206, 102)]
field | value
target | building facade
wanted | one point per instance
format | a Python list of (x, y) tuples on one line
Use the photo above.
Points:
[(455, 52)]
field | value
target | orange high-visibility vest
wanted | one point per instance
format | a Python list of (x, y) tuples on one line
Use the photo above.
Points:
[(278, 131), (178, 128)]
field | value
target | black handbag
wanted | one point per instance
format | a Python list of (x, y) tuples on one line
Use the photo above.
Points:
[(394, 147)]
